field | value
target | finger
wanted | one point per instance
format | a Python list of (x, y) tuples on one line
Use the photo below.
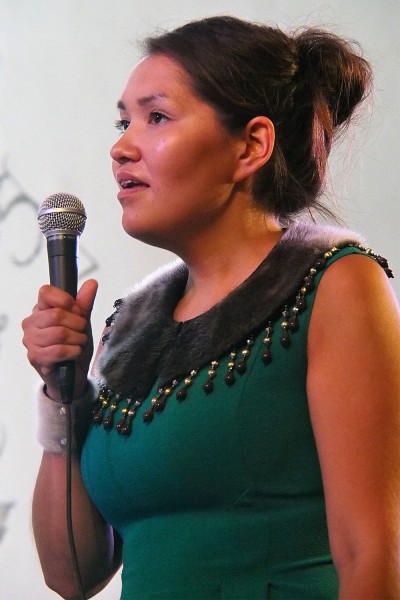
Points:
[(58, 335), (41, 320), (86, 296), (50, 296), (51, 345), (53, 297)]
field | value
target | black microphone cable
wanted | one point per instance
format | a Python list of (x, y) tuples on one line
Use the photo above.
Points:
[(68, 497)]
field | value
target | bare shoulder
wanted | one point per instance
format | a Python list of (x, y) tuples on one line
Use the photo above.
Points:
[(356, 273), (354, 296), (353, 341)]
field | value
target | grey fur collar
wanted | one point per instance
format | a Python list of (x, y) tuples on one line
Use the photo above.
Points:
[(145, 343)]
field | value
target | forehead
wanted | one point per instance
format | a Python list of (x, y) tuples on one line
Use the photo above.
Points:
[(158, 75)]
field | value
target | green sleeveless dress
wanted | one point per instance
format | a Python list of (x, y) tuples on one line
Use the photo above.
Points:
[(218, 494)]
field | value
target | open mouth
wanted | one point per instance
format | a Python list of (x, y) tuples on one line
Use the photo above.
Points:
[(132, 183)]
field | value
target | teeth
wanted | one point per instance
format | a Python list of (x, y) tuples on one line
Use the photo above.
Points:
[(130, 183)]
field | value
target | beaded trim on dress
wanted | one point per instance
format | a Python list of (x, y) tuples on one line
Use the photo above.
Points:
[(144, 342)]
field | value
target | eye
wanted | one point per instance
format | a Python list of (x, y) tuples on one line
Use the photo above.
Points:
[(157, 117), (122, 125)]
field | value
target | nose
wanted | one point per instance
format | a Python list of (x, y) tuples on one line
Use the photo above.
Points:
[(125, 149)]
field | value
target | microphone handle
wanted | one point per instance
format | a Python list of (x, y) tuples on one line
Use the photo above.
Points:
[(62, 250)]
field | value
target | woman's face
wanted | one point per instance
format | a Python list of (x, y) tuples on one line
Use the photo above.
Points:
[(174, 162)]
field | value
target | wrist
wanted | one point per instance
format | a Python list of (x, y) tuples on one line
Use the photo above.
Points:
[(52, 420)]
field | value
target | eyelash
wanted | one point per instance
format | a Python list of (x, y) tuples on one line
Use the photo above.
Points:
[(155, 118), (122, 125)]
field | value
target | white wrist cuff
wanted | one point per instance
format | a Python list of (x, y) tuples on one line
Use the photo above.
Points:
[(52, 420)]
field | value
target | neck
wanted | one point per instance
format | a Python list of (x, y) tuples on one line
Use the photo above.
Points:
[(219, 265)]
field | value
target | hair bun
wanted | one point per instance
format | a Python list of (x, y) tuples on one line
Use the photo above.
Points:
[(334, 71)]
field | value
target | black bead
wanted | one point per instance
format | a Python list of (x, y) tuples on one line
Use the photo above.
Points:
[(285, 339), (108, 422), (182, 393), (110, 320), (98, 417), (301, 303), (148, 415), (320, 264), (120, 424), (241, 366), (382, 261), (230, 377), (309, 283), (126, 429), (208, 386), (159, 404), (266, 356)]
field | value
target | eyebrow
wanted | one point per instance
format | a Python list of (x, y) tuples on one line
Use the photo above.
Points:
[(144, 100)]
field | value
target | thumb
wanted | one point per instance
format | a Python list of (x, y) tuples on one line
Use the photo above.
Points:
[(86, 296)]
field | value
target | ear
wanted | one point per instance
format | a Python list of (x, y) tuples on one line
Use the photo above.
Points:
[(258, 139)]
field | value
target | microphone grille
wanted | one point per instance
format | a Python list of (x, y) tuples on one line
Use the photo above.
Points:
[(62, 213)]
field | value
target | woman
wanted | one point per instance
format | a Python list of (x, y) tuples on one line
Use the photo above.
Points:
[(244, 441)]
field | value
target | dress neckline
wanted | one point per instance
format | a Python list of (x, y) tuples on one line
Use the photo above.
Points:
[(145, 342), (239, 289)]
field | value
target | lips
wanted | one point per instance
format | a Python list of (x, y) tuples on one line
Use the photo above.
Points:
[(130, 185)]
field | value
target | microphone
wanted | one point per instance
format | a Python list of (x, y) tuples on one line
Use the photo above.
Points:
[(62, 219)]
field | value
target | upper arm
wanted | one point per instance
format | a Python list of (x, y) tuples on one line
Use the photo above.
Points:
[(354, 395)]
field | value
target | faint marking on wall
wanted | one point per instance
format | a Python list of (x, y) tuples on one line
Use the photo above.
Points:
[(21, 244), (5, 507)]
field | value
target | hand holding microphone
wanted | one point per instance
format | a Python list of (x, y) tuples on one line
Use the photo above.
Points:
[(57, 334)]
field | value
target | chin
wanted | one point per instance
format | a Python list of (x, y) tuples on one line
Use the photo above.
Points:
[(151, 238)]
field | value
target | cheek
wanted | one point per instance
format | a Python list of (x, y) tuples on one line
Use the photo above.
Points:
[(173, 166), (192, 157)]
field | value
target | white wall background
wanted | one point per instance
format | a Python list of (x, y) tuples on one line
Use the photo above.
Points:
[(63, 64)]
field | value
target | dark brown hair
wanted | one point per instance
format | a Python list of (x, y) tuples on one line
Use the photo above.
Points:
[(308, 83)]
